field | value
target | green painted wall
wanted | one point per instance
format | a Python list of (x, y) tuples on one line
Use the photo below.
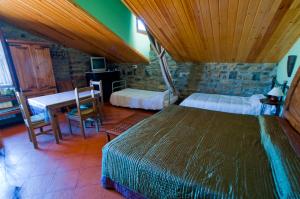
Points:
[(118, 18), (282, 65)]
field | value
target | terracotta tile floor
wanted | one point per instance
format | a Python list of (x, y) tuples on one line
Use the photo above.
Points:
[(71, 169)]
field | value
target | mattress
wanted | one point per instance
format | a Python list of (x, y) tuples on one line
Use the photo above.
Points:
[(184, 152), (144, 99), (229, 104)]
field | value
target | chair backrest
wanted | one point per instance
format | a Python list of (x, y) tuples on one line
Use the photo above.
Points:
[(86, 100), (24, 108), (98, 84)]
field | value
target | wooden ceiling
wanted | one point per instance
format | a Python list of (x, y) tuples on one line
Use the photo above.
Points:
[(64, 22), (222, 30)]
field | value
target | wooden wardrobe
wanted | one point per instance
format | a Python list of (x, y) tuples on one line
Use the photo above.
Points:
[(33, 66)]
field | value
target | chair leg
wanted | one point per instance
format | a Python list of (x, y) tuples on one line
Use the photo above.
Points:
[(82, 128), (33, 138), (97, 125), (70, 126), (29, 134)]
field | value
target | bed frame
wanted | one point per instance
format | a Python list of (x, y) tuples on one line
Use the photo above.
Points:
[(292, 104), (118, 85), (122, 84)]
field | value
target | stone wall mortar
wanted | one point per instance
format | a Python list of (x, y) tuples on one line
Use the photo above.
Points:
[(241, 79)]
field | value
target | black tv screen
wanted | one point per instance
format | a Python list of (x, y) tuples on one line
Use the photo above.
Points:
[(98, 64)]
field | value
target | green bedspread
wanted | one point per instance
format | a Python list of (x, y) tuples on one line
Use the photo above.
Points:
[(184, 152)]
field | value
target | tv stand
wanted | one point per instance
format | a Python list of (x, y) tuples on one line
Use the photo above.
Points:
[(107, 77)]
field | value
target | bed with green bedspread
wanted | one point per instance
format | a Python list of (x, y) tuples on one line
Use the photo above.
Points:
[(183, 152)]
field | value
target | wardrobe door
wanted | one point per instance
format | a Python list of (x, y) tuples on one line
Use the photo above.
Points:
[(24, 66), (43, 67)]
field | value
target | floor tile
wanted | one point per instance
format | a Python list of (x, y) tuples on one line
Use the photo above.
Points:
[(65, 194), (91, 160), (37, 185), (69, 164), (95, 192), (71, 169), (64, 180), (89, 176)]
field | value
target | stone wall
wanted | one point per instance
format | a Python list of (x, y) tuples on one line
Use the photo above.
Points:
[(242, 79), (68, 63)]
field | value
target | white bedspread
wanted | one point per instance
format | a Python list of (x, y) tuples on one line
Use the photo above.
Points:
[(144, 99), (230, 104)]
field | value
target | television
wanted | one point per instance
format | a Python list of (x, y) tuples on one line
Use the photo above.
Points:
[(98, 64)]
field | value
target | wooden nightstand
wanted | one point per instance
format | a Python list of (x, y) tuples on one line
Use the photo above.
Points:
[(267, 101)]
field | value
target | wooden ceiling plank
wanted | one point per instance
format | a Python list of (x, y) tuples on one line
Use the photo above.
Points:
[(286, 25), (195, 29), (264, 16), (205, 14), (169, 37), (224, 32), (201, 28), (239, 26), (62, 21), (232, 20), (185, 25), (252, 12), (283, 43), (170, 10), (215, 21), (260, 45), (50, 23), (220, 30)]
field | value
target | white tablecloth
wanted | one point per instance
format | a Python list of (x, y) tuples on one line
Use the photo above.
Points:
[(43, 103)]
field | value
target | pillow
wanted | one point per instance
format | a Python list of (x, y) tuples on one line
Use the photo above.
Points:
[(254, 99)]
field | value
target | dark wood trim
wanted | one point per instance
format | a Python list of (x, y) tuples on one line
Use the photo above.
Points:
[(15, 41), (13, 112), (10, 62), (289, 113), (291, 133)]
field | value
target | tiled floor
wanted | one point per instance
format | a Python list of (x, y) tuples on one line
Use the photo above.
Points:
[(71, 169)]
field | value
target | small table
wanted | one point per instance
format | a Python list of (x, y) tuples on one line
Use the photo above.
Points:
[(49, 103), (267, 101)]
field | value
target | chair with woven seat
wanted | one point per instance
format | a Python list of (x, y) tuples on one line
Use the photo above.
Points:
[(98, 84), (87, 109), (34, 122)]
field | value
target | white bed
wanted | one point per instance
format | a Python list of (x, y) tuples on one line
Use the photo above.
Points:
[(230, 104), (144, 99)]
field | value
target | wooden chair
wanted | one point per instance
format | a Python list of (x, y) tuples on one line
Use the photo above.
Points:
[(98, 84), (34, 122), (84, 111)]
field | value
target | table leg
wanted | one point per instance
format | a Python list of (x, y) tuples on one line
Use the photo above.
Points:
[(58, 128), (54, 126)]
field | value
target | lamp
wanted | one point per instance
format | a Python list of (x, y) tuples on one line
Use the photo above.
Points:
[(275, 93)]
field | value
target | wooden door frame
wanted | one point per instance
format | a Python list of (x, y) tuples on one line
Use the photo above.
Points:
[(10, 62)]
